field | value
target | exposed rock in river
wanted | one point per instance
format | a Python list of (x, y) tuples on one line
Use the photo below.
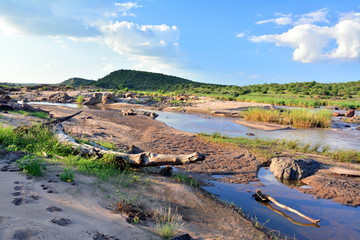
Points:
[(287, 168)]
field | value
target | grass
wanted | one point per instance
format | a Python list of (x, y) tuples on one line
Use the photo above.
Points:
[(271, 148), (168, 222), (32, 165), (188, 180), (107, 145), (80, 99), (42, 115), (68, 175), (301, 118)]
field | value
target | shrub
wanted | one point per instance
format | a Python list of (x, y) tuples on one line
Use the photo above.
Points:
[(168, 222), (80, 99), (32, 165), (68, 175)]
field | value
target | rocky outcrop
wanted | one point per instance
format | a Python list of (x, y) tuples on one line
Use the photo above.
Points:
[(287, 168), (109, 98), (93, 100), (60, 97), (9, 104)]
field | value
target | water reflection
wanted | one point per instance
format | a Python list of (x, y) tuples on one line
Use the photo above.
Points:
[(337, 221)]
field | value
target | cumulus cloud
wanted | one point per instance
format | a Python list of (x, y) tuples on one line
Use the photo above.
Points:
[(141, 40), (290, 19), (125, 8), (313, 43)]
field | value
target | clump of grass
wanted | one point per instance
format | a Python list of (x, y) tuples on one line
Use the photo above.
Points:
[(32, 165), (68, 175), (302, 118), (43, 115), (345, 156), (108, 145), (168, 222), (80, 99), (188, 180), (34, 139)]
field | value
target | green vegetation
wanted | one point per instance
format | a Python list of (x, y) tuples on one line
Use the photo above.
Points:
[(299, 94), (268, 149), (80, 99), (35, 139), (107, 145), (68, 175), (188, 180), (77, 82), (43, 115), (32, 165), (168, 222), (302, 118)]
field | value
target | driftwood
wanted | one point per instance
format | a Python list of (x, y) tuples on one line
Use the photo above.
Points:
[(265, 198), (141, 159)]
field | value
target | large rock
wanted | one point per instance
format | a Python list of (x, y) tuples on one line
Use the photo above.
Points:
[(287, 168), (60, 97), (94, 99), (109, 98)]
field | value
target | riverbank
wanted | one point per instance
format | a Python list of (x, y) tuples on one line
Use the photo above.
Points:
[(202, 217)]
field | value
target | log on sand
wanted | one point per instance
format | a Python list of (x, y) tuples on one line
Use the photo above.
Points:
[(139, 160), (265, 198)]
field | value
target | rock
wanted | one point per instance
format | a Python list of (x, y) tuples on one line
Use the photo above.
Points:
[(62, 221), (60, 97), (94, 99), (109, 98), (166, 171), (128, 112), (337, 114), (287, 168), (250, 134), (347, 126), (6, 107), (5, 98), (350, 113)]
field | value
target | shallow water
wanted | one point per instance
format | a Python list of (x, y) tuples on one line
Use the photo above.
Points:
[(335, 138), (337, 221), (72, 105)]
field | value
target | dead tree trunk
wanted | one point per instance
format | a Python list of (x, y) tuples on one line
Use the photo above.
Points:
[(141, 159)]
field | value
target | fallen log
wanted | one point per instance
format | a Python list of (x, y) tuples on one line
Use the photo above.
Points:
[(265, 198), (139, 160), (61, 119)]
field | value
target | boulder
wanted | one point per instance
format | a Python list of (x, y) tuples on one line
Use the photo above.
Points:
[(287, 168), (5, 98), (94, 99), (60, 97), (350, 113), (109, 98)]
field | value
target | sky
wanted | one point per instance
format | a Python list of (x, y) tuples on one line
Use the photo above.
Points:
[(232, 42)]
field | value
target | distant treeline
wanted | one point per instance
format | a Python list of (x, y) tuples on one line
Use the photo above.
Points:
[(148, 81)]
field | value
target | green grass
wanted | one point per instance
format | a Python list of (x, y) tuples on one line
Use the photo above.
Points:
[(188, 180), (168, 222), (35, 139), (32, 165), (68, 175), (107, 145), (43, 115), (272, 148), (301, 118), (80, 99)]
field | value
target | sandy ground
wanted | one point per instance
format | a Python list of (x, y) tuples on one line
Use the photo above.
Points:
[(86, 207)]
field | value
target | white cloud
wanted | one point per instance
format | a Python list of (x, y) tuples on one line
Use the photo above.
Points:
[(313, 43), (290, 19), (125, 8), (242, 34), (278, 21)]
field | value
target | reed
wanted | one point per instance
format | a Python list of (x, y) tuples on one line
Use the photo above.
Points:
[(301, 118)]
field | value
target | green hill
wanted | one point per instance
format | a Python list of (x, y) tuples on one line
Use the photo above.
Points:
[(77, 82), (139, 80)]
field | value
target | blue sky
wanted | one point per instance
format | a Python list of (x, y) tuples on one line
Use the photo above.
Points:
[(216, 41)]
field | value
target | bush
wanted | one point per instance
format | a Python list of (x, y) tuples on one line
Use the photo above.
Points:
[(68, 175), (80, 99), (31, 165)]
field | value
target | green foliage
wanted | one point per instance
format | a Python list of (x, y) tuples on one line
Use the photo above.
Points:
[(107, 145), (32, 165), (35, 139), (68, 175), (80, 99), (77, 82)]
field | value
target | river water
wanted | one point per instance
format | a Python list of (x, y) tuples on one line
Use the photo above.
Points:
[(337, 221)]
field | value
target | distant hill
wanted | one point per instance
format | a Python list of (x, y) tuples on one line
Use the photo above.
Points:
[(77, 82), (140, 80)]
